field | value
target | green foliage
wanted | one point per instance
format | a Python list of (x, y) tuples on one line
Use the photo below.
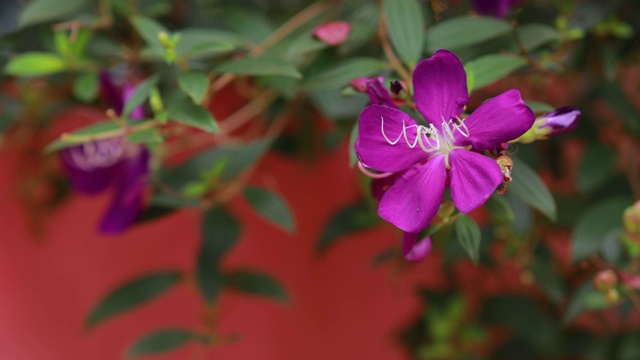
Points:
[(347, 220), (468, 234), (133, 294), (489, 68), (264, 65), (405, 25), (162, 341), (192, 114), (528, 186), (255, 284), (40, 11), (460, 32), (35, 64), (270, 206), (340, 74), (195, 84)]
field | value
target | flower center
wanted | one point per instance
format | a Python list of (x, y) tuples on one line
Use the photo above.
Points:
[(430, 138)]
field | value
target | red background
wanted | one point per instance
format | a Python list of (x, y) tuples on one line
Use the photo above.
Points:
[(341, 307)]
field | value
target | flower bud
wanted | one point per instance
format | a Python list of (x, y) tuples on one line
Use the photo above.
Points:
[(612, 296), (631, 219), (605, 280), (414, 250), (446, 209), (559, 121), (378, 94), (333, 33)]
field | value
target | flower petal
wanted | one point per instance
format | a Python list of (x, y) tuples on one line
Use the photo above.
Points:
[(474, 177), (414, 250), (497, 8), (333, 33), (498, 120), (440, 86), (414, 198), (375, 151), (88, 180), (561, 120), (127, 202)]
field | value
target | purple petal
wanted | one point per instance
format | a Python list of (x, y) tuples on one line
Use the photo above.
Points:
[(381, 185), (378, 94), (413, 200), (84, 177), (414, 250), (127, 202), (440, 86), (333, 33), (474, 177), (375, 151), (498, 120), (497, 8), (561, 120)]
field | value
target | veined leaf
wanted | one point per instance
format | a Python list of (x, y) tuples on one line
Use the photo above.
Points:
[(463, 31), (406, 28), (528, 186), (490, 68)]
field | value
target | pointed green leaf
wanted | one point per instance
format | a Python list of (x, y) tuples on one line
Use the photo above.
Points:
[(528, 186), (145, 136), (463, 31), (195, 84), (594, 228), (139, 95), (162, 341), (406, 28), (255, 283), (270, 206), (345, 221), (96, 129), (468, 234), (499, 208), (85, 87), (490, 68), (35, 64), (265, 65), (149, 30), (192, 114), (133, 294), (39, 11), (340, 75), (596, 167)]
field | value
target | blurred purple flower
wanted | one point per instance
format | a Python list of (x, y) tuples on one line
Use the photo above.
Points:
[(95, 166), (414, 250), (425, 158), (496, 8), (559, 121)]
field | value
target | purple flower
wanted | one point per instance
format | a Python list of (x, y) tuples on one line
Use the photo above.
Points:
[(559, 121), (378, 94), (497, 8), (443, 152), (95, 166)]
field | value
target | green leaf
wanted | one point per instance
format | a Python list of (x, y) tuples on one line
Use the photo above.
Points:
[(255, 283), (162, 341), (139, 95), (195, 84), (192, 114), (499, 208), (405, 25), (532, 36), (596, 167), (35, 64), (528, 186), (490, 68), (207, 49), (549, 280), (264, 65), (539, 107), (621, 104), (270, 206), (149, 30), (353, 157), (145, 136), (468, 234), (463, 31), (341, 74), (585, 298), (96, 129), (39, 11), (599, 222), (220, 231), (347, 220), (85, 87), (133, 294), (336, 106)]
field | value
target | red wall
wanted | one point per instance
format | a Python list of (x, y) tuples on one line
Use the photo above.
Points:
[(341, 307)]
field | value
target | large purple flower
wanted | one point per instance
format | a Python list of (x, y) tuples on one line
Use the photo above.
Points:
[(96, 166), (445, 150)]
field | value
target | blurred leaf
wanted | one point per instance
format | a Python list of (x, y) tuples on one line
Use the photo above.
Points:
[(255, 283), (85, 87), (35, 64), (621, 104), (528, 186), (406, 27), (9, 13), (162, 341), (149, 30), (145, 136), (270, 206), (547, 278), (303, 44), (133, 294), (207, 49), (345, 221), (192, 114), (39, 11), (490, 68), (96, 129), (523, 215), (464, 31), (539, 107), (499, 208), (340, 74), (584, 299), (337, 106), (139, 95), (602, 220), (195, 84), (532, 36), (468, 234), (191, 37), (596, 167), (253, 25), (264, 65)]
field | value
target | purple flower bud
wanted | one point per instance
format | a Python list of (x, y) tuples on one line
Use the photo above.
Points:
[(396, 87), (496, 8), (414, 250), (333, 33), (559, 121), (378, 94)]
